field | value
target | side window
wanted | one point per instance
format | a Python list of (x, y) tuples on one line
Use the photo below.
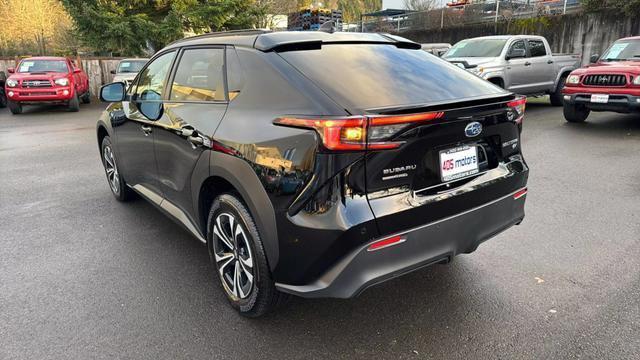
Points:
[(536, 48), (151, 80), (235, 78), (199, 76), (518, 45)]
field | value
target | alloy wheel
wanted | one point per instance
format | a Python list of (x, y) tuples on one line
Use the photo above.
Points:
[(233, 256), (111, 169)]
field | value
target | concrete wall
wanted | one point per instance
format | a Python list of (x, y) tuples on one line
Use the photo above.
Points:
[(98, 70), (585, 34)]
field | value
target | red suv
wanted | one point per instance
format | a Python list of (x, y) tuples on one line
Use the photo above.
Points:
[(610, 83), (53, 80)]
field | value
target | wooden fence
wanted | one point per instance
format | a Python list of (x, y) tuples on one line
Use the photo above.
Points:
[(98, 70)]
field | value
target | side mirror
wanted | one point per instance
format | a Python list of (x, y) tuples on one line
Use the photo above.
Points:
[(594, 58), (113, 72), (11, 70), (113, 92), (516, 53), (150, 105)]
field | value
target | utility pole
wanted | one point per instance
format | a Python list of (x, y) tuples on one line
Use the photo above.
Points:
[(564, 10), (498, 9)]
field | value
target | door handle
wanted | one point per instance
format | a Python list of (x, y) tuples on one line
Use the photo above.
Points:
[(146, 130), (195, 140), (527, 64), (186, 132), (550, 62)]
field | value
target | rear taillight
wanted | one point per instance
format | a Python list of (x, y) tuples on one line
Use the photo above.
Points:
[(516, 109), (359, 132)]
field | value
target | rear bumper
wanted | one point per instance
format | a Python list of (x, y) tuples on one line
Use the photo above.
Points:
[(40, 95), (432, 243), (617, 102)]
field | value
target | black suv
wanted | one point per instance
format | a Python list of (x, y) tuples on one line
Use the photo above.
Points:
[(316, 164)]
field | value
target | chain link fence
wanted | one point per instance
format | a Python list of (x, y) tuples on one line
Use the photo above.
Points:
[(474, 13)]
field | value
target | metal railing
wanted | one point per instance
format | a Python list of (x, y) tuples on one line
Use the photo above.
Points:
[(475, 13)]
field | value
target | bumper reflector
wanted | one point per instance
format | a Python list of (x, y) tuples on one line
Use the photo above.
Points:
[(384, 243), (520, 193)]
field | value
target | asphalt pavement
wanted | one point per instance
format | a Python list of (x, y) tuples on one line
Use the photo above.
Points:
[(83, 276)]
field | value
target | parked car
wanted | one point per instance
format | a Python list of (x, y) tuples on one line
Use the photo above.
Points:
[(386, 173), (127, 70), (3, 95), (610, 83), (46, 80), (436, 49), (523, 64)]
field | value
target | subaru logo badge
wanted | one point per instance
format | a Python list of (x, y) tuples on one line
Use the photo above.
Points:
[(473, 129)]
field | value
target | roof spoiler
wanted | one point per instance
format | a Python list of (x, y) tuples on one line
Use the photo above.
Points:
[(299, 45)]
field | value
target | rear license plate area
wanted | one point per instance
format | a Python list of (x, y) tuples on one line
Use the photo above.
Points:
[(458, 163)]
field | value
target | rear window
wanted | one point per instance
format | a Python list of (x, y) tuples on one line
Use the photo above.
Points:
[(365, 76)]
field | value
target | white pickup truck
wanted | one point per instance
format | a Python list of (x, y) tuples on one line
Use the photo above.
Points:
[(522, 64)]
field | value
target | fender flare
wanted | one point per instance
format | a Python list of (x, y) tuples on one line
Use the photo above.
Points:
[(567, 70), (232, 169), (496, 76)]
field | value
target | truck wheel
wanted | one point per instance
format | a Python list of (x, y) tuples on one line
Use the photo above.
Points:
[(575, 113), (556, 96), (240, 262), (3, 99), (74, 104), (15, 107), (86, 98)]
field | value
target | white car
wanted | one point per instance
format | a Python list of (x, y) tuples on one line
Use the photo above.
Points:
[(128, 69)]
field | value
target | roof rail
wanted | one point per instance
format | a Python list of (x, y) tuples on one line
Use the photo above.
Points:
[(223, 33)]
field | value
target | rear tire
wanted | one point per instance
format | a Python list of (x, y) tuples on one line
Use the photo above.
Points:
[(239, 258), (575, 113), (556, 97), (3, 99), (15, 107), (118, 186), (86, 98), (74, 104)]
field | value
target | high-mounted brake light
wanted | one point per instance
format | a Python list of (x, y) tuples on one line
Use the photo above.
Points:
[(359, 132), (517, 107)]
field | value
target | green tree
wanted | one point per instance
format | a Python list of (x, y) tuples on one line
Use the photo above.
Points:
[(629, 7), (124, 27), (352, 9)]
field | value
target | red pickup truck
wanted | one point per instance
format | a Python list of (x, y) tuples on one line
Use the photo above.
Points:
[(45, 79), (610, 83)]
